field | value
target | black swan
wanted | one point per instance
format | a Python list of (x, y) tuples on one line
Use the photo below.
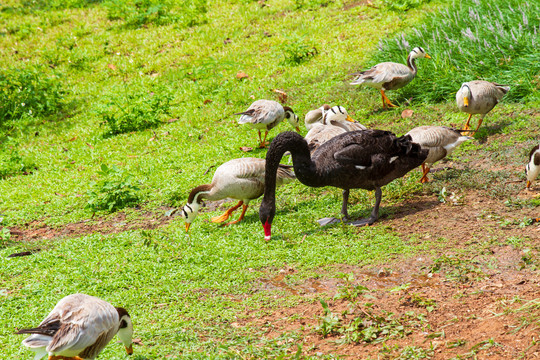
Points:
[(366, 159)]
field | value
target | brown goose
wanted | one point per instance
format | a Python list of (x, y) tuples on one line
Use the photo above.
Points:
[(440, 141), (366, 159), (241, 179), (479, 97), (390, 75), (532, 169), (266, 114), (79, 327), (335, 121)]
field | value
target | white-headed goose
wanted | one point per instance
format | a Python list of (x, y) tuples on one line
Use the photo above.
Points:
[(440, 141), (266, 114), (314, 117), (241, 179), (334, 121), (532, 170), (390, 75), (366, 159), (479, 97), (79, 327)]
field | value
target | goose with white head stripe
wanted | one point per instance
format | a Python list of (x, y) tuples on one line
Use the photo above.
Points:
[(79, 327), (532, 169), (241, 179), (390, 75), (265, 115), (336, 120)]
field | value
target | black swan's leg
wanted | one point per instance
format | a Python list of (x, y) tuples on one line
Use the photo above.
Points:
[(344, 204), (332, 220), (374, 214)]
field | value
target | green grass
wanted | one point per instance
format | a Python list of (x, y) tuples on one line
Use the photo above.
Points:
[(483, 39), (183, 292)]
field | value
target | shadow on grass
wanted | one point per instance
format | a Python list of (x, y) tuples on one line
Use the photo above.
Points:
[(485, 131)]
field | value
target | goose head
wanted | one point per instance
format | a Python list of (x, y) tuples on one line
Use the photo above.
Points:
[(418, 52), (466, 92), (315, 116), (337, 114), (532, 169), (292, 118), (190, 212), (125, 330)]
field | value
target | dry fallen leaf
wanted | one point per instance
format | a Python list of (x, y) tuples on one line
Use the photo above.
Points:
[(111, 66), (90, 146), (137, 341), (172, 120), (246, 148), (241, 75), (282, 95), (208, 101), (73, 138), (407, 113)]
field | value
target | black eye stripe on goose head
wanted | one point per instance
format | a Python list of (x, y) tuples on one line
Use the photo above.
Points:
[(422, 50), (332, 109), (416, 52), (339, 108)]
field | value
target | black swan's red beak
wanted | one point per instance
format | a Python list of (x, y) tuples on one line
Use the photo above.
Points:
[(267, 231)]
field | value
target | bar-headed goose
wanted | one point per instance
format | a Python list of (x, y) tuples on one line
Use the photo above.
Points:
[(440, 141), (336, 120), (241, 179), (79, 327), (532, 169), (314, 117), (390, 75), (266, 114), (479, 97), (366, 159)]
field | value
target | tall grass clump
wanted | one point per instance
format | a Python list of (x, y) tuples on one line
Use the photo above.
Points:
[(137, 13), (26, 94), (477, 40), (135, 109)]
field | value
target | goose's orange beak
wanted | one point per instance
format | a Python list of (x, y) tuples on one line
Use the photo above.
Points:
[(466, 101), (129, 349), (187, 226), (427, 56), (349, 118)]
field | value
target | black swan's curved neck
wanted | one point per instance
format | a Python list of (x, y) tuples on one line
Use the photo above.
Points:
[(285, 141)]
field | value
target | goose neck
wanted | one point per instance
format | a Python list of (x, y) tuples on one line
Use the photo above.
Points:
[(411, 63)]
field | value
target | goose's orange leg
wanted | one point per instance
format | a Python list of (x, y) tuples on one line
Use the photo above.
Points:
[(263, 144), (226, 214), (244, 209), (467, 126), (479, 123), (386, 100), (425, 171)]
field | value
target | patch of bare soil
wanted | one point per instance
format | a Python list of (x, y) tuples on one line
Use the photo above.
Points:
[(483, 304), (486, 313), (37, 230)]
